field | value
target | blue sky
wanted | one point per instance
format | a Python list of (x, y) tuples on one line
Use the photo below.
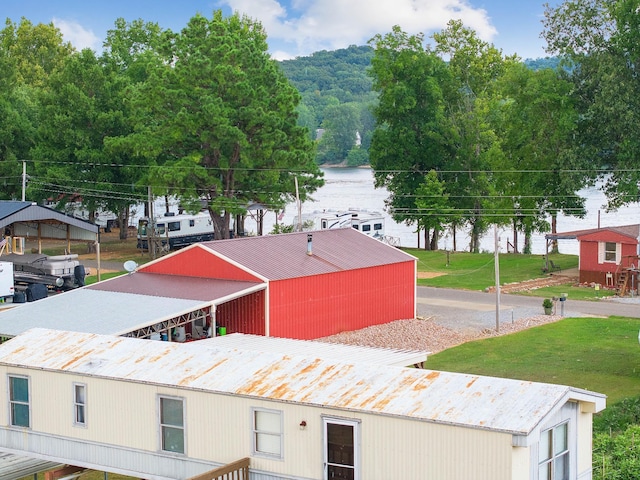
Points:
[(301, 27)]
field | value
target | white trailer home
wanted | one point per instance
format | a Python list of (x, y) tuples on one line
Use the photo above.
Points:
[(164, 410)]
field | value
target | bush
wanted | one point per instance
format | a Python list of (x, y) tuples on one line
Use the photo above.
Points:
[(547, 303)]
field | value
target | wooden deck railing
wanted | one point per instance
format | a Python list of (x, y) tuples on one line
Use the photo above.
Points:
[(238, 470)]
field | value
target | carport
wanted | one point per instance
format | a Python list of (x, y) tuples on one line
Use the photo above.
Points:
[(30, 220), (135, 305)]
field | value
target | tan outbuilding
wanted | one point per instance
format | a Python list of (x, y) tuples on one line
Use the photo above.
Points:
[(165, 410)]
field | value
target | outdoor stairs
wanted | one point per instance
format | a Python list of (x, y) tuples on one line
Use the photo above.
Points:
[(622, 283)]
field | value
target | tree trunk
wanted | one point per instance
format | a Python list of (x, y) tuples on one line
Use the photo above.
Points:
[(453, 236), (220, 225), (123, 218), (515, 236), (434, 240), (426, 239), (554, 226)]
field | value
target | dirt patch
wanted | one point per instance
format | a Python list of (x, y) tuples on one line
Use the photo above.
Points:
[(429, 274)]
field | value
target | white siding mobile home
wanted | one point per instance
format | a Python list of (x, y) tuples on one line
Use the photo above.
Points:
[(162, 410)]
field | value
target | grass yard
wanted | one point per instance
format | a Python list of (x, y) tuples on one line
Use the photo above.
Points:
[(475, 271), (598, 354)]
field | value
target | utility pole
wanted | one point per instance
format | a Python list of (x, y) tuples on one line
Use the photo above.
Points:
[(497, 269), (24, 179)]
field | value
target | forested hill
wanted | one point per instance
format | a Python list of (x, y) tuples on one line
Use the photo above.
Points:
[(337, 99)]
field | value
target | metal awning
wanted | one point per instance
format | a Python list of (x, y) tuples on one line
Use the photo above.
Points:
[(14, 467), (311, 348)]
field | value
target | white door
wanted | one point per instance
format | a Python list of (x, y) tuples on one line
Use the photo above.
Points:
[(341, 449)]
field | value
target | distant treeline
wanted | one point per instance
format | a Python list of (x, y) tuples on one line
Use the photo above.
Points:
[(337, 98)]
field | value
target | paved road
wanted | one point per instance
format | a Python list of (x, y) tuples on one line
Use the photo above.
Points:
[(463, 309)]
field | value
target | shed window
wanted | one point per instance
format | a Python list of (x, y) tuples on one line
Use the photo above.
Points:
[(79, 403), (19, 401), (553, 456), (172, 424), (609, 252), (267, 432)]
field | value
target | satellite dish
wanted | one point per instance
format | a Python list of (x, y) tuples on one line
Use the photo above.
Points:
[(130, 266)]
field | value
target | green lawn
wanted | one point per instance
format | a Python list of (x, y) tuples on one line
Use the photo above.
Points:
[(476, 271), (602, 355)]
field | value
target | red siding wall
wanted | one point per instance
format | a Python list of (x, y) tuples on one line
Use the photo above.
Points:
[(243, 315), (590, 269), (321, 305), (197, 262)]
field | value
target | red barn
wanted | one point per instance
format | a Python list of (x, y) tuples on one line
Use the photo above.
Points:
[(306, 285), (608, 255)]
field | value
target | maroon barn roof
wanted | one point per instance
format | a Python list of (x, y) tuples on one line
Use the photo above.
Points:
[(632, 231), (278, 257), (174, 286)]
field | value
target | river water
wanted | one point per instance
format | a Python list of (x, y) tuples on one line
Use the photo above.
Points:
[(353, 188)]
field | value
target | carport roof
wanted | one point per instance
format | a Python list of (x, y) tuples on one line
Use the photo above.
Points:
[(13, 467), (122, 305), (13, 211)]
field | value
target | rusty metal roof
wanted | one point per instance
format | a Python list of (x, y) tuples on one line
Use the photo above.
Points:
[(510, 406), (283, 256)]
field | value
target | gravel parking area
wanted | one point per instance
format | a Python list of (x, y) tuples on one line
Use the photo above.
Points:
[(425, 335)]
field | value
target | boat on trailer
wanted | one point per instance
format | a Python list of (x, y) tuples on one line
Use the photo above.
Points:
[(175, 231)]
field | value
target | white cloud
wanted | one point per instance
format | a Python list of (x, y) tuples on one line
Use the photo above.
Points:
[(311, 25), (77, 35)]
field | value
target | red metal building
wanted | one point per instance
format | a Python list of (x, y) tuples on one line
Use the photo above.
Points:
[(316, 283), (608, 255)]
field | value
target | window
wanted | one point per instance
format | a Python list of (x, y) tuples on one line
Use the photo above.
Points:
[(341, 449), (377, 226), (172, 424), (609, 252), (174, 226), (192, 223), (357, 227), (79, 403), (160, 229), (19, 401), (366, 228), (553, 454), (267, 432)]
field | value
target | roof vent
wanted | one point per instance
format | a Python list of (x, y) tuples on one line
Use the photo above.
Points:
[(309, 242)]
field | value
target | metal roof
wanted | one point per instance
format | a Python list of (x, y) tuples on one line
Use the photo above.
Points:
[(330, 351), (212, 290), (14, 212), (274, 256), (510, 406), (122, 304), (13, 467), (632, 231)]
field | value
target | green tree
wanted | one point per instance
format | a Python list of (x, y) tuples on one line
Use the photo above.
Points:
[(600, 41), (432, 204), (83, 105), (411, 134), (28, 56), (541, 173), (475, 67), (341, 126), (220, 122)]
